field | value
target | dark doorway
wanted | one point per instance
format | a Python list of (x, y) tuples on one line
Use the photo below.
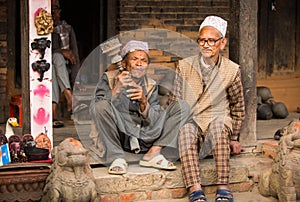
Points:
[(14, 47), (278, 41), (94, 22), (85, 19)]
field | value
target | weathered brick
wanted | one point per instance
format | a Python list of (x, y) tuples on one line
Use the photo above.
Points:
[(190, 34), (156, 52), (255, 178), (161, 194), (273, 144), (155, 22), (270, 149), (149, 195), (141, 196), (242, 187), (2, 36), (245, 187), (174, 22), (109, 198), (2, 89), (3, 63), (3, 43), (3, 83), (127, 197), (2, 75), (3, 14), (179, 192)]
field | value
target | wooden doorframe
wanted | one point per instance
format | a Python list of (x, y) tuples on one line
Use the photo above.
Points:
[(112, 15), (24, 12)]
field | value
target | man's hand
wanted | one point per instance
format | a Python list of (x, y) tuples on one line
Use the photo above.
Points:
[(122, 81), (69, 55), (236, 147), (135, 92)]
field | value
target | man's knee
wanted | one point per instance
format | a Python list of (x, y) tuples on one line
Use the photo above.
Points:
[(180, 106), (101, 107), (58, 58), (188, 131), (185, 108)]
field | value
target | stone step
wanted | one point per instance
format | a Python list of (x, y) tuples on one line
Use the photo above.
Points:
[(148, 184), (252, 196)]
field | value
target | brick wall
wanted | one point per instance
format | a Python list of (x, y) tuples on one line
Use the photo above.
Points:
[(3, 60), (183, 16)]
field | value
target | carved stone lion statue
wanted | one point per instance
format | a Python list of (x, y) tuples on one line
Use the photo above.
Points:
[(70, 177), (283, 179)]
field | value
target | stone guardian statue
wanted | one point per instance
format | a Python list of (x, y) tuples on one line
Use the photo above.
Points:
[(283, 179), (71, 177)]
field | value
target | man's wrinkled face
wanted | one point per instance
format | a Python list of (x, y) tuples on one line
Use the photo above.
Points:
[(207, 37), (136, 63)]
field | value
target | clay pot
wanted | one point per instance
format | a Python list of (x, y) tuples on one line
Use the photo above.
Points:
[(264, 93), (279, 110), (264, 111)]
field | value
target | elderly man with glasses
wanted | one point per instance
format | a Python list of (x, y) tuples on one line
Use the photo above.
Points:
[(212, 86)]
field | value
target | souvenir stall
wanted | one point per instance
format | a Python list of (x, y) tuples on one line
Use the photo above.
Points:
[(26, 159)]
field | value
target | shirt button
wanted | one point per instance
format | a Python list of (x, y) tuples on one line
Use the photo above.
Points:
[(138, 125)]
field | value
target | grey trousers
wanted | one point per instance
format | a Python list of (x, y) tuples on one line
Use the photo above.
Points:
[(115, 141), (60, 76)]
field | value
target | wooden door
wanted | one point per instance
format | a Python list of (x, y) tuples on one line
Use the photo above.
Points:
[(278, 38)]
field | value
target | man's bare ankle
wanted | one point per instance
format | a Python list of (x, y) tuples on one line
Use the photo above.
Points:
[(195, 188)]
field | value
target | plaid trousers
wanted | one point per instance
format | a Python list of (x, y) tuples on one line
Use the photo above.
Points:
[(190, 141)]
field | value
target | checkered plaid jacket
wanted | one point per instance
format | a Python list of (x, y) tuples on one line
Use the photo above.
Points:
[(220, 99)]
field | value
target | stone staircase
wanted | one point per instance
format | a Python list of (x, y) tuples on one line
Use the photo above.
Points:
[(149, 184)]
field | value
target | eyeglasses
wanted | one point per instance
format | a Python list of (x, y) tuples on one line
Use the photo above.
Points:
[(210, 42)]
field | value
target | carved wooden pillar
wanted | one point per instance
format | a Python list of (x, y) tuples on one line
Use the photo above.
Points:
[(243, 50)]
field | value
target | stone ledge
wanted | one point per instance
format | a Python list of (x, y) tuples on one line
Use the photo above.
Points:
[(142, 179), (149, 184)]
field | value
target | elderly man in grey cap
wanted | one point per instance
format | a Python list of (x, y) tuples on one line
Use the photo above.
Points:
[(212, 86), (128, 115)]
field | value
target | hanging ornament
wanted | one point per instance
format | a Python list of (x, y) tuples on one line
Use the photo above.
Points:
[(43, 22)]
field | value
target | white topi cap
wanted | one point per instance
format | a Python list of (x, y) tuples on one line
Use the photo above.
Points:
[(133, 46), (216, 22)]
